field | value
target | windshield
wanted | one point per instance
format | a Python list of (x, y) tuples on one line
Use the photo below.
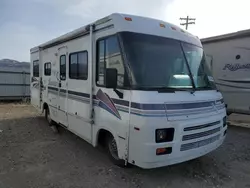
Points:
[(200, 72), (158, 62)]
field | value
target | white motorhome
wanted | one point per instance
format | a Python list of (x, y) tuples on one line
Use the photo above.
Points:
[(136, 85), (229, 59)]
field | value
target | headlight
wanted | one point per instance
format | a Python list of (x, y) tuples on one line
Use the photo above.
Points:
[(164, 135)]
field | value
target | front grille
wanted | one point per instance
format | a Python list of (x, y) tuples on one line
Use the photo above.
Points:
[(200, 134), (201, 126), (198, 144)]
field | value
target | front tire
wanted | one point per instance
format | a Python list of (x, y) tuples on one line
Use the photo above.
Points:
[(113, 152)]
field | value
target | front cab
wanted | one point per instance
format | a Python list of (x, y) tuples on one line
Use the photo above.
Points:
[(170, 132)]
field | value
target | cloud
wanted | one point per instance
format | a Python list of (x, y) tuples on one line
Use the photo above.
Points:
[(26, 27), (18, 36), (90, 10), (17, 39), (23, 28), (213, 17)]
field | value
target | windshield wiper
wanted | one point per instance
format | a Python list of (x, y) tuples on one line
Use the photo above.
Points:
[(188, 67), (162, 89), (205, 88), (171, 89)]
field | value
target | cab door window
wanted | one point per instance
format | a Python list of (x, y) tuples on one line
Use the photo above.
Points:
[(109, 56)]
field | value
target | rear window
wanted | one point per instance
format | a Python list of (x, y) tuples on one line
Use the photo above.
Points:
[(36, 68), (47, 69)]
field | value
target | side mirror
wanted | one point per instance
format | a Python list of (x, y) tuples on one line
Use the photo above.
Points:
[(111, 78)]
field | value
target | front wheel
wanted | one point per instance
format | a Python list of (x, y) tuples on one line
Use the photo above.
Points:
[(113, 152)]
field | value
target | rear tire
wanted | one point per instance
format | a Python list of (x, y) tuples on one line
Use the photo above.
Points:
[(48, 117), (113, 152), (51, 123)]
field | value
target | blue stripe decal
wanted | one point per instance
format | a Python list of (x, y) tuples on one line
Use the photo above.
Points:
[(104, 106), (53, 88), (148, 106), (63, 90), (138, 106), (86, 95)]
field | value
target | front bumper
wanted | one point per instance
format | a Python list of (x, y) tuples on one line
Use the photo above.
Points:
[(166, 160), (199, 140)]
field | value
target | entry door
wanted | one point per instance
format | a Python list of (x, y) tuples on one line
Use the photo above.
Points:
[(62, 87)]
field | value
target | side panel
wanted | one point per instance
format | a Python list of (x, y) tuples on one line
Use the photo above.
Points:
[(231, 71), (35, 80), (72, 108)]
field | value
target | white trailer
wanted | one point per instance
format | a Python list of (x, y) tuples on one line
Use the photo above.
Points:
[(229, 59), (136, 85)]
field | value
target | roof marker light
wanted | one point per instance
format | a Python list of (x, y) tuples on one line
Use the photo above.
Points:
[(128, 18), (182, 31), (162, 25), (173, 28)]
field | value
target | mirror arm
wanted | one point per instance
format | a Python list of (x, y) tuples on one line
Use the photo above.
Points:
[(120, 94)]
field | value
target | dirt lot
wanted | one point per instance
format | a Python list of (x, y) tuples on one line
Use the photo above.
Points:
[(31, 155)]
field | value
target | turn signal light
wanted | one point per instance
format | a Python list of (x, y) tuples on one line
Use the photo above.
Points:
[(128, 18), (163, 151), (162, 25), (173, 28)]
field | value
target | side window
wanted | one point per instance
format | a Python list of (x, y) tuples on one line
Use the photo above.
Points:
[(47, 69), (109, 56), (82, 65), (101, 62), (62, 67), (36, 68), (73, 66), (78, 65)]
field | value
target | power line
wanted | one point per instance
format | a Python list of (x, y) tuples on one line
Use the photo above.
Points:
[(187, 19)]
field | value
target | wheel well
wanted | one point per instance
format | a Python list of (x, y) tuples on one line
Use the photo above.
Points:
[(45, 106), (102, 136)]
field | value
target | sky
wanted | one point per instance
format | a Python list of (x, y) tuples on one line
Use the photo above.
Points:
[(28, 23)]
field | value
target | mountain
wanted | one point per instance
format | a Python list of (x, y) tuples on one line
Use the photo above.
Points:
[(11, 62), (13, 65)]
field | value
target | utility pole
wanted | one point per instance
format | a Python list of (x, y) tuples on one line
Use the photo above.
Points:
[(187, 19)]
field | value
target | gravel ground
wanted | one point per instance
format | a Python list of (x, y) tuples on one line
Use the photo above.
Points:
[(31, 155)]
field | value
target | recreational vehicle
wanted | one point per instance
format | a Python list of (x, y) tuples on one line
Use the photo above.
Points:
[(228, 57), (137, 86)]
